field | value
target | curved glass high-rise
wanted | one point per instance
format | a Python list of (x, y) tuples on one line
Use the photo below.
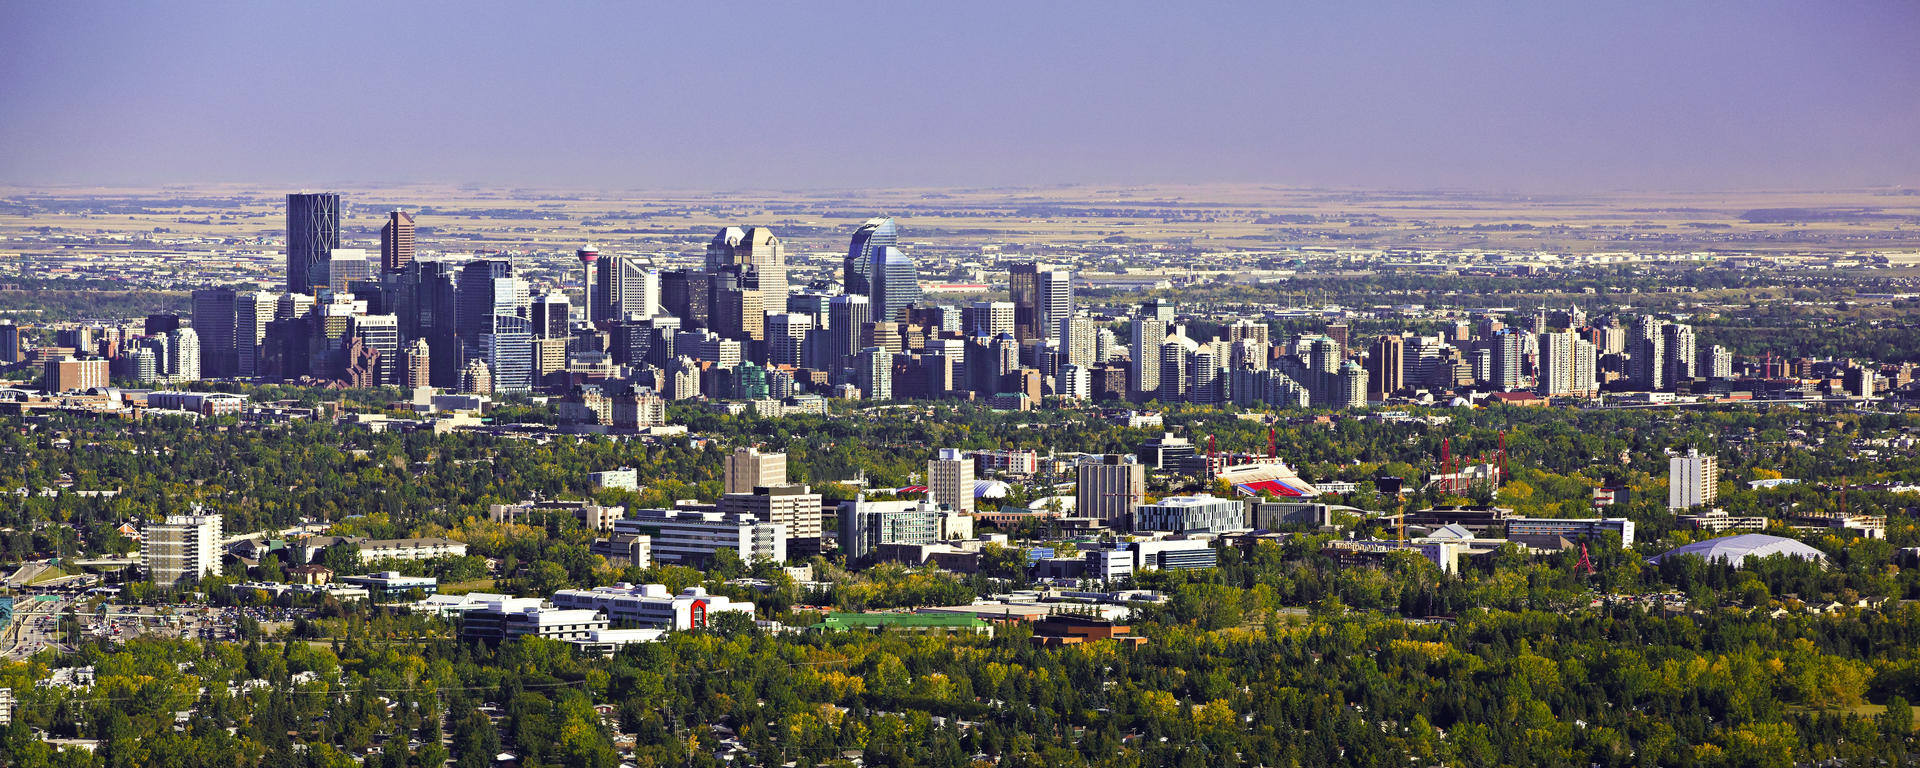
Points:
[(856, 271), (896, 283)]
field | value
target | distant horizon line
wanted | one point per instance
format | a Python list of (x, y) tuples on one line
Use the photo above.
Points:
[(275, 188)]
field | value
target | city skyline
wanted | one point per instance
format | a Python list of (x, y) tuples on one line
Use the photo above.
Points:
[(1493, 96)]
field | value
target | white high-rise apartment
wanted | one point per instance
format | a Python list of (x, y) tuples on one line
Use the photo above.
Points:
[(183, 355), (1148, 334), (988, 318), (1566, 365), (1693, 480), (748, 469), (1078, 340), (950, 480), (182, 550)]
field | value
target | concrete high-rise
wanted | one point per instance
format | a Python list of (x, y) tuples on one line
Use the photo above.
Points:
[(873, 373), (856, 270), (418, 370), (950, 480), (1715, 362), (70, 374), (1143, 376), (1509, 347), (846, 316), (252, 311), (1386, 367), (625, 287), (1567, 365), (987, 318), (183, 355), (1109, 488), (380, 333), (396, 242), (182, 550), (761, 256), (1078, 341), (1350, 388), (747, 468), (1647, 350), (313, 231), (1053, 293), (1693, 480), (1679, 357), (786, 337)]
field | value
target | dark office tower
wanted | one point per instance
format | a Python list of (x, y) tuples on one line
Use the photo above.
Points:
[(735, 305), (552, 317), (624, 286), (1647, 350), (1386, 367), (396, 242), (895, 283), (629, 341), (846, 316), (162, 324), (215, 319), (661, 351), (1023, 283), (1342, 335), (9, 342), (686, 294), (487, 288), (855, 271), (313, 231)]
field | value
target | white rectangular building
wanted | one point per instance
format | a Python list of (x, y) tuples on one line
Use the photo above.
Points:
[(795, 506), (691, 537), (651, 605), (624, 479), (950, 480), (1693, 480), (182, 550)]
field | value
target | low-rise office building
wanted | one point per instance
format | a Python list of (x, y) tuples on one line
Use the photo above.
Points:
[(691, 537), (651, 605), (387, 586), (1189, 514), (1570, 528), (496, 622)]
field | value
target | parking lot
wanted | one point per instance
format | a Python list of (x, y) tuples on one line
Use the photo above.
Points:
[(37, 623)]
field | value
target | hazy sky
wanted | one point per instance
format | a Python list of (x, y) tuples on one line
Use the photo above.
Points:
[(1533, 96)]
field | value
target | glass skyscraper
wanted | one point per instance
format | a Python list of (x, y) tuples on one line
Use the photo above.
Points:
[(313, 231), (857, 270), (507, 346), (896, 283)]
